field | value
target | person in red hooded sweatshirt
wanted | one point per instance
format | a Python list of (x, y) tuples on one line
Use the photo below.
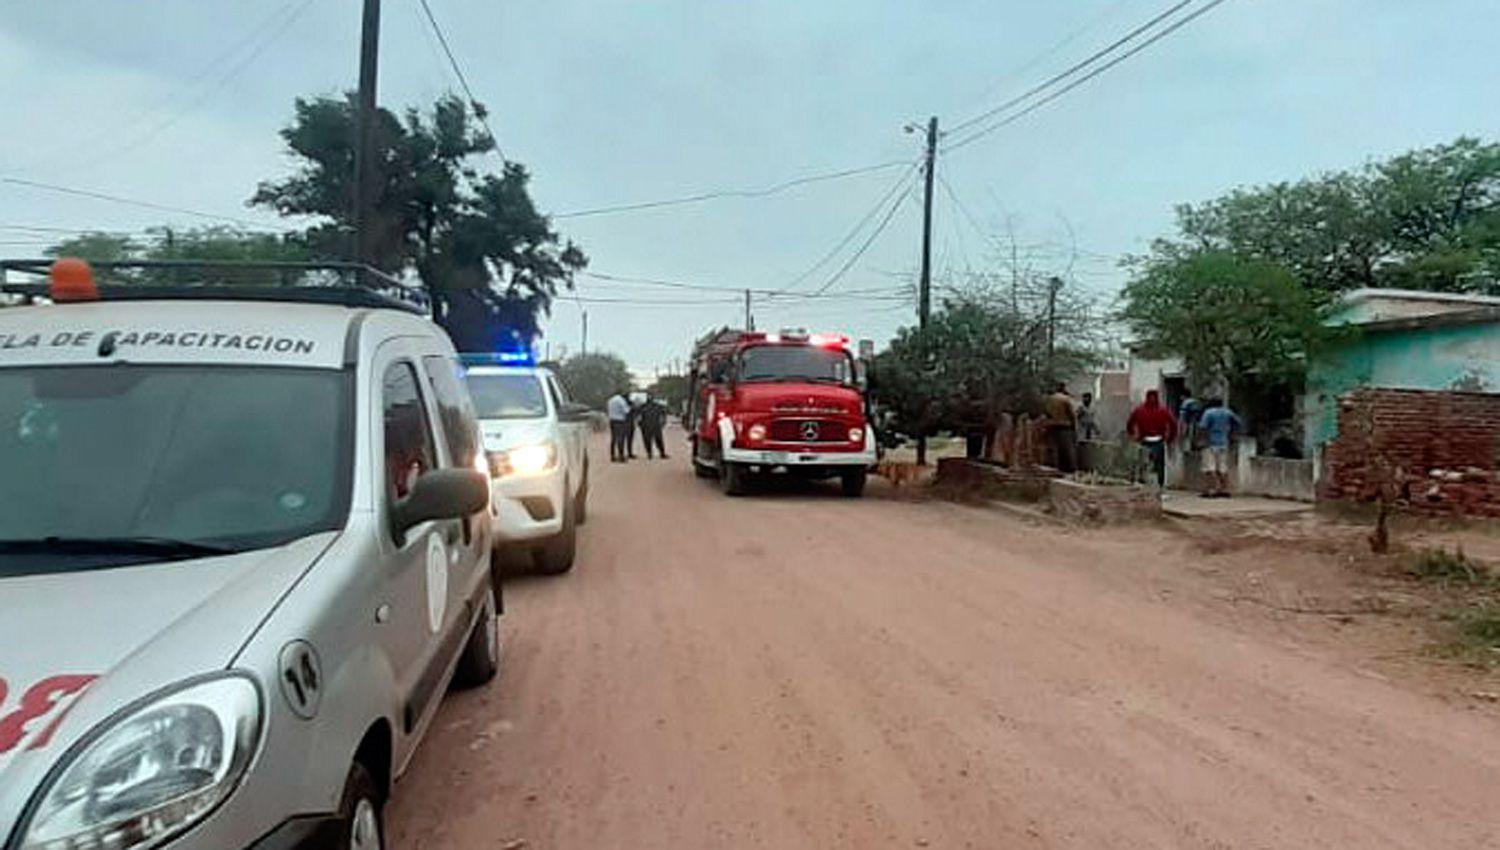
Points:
[(1153, 426)]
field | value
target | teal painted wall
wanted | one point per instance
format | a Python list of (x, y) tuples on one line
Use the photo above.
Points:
[(1455, 357)]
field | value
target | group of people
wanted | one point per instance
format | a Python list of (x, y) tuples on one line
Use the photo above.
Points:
[(625, 416), (1207, 425)]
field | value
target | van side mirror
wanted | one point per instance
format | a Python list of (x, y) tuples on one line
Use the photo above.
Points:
[(573, 412), (441, 494)]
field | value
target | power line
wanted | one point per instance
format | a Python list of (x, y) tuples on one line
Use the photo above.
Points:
[(733, 193), (626, 280), (115, 129), (879, 229), (1014, 117), (116, 199), (1072, 69), (853, 231), (463, 81), (218, 83)]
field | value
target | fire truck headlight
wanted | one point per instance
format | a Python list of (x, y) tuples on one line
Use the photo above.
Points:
[(757, 432), (856, 435)]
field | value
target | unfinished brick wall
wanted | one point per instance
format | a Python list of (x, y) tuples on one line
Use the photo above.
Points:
[(1441, 449)]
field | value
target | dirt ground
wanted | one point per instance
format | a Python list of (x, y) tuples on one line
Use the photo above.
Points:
[(798, 670)]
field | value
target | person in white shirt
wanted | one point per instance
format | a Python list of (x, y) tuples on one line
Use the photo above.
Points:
[(619, 427)]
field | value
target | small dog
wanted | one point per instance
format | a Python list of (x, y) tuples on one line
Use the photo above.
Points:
[(898, 472)]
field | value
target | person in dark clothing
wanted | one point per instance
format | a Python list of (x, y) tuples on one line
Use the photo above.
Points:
[(653, 421), (631, 420), (1153, 426)]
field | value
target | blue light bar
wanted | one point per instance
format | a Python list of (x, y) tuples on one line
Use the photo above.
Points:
[(498, 358)]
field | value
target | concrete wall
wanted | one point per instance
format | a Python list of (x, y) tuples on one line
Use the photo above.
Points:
[(1454, 357)]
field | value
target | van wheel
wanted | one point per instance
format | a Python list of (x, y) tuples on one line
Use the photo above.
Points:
[(732, 478), (852, 481), (362, 811), (556, 555), (481, 659)]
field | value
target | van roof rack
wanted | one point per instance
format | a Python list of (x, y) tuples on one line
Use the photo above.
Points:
[(320, 282)]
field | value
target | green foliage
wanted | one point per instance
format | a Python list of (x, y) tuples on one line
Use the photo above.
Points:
[(1225, 315), (981, 355), (96, 247), (1481, 625), (476, 240), (1440, 564), (672, 390), (592, 378), (218, 243), (1428, 219)]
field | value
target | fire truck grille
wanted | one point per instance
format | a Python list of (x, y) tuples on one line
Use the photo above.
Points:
[(807, 431)]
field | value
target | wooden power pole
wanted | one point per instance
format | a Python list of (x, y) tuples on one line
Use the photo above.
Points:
[(365, 174), (924, 292)]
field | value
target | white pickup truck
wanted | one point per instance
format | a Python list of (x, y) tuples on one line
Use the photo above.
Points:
[(536, 445)]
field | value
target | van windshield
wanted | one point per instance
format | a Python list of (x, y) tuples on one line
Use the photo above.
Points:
[(794, 363), (105, 465), (507, 396)]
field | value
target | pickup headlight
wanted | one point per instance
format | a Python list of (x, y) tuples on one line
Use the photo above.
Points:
[(523, 460), (152, 772)]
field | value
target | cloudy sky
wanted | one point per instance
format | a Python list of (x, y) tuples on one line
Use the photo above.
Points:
[(177, 103)]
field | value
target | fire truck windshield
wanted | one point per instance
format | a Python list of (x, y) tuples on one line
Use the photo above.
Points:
[(795, 363)]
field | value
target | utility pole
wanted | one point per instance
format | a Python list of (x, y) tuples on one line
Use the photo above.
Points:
[(1053, 285), (924, 295), (583, 347), (924, 303), (749, 319), (364, 133)]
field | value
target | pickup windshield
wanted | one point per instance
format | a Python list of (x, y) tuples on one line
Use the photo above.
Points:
[(794, 363), (119, 464), (507, 396)]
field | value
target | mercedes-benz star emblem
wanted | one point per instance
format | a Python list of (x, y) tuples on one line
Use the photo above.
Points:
[(809, 431)]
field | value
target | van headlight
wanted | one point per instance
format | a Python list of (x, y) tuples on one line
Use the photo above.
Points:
[(151, 772)]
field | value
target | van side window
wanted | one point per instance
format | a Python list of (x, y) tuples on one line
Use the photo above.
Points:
[(408, 439), (456, 409)]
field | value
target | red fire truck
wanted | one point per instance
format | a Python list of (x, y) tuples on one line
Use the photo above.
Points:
[(778, 403)]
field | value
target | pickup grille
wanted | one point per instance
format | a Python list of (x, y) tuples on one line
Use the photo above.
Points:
[(808, 431)]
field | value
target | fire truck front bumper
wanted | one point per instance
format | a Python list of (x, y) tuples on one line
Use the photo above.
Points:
[(792, 458)]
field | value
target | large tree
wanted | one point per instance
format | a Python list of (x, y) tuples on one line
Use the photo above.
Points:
[(592, 378), (491, 261), (989, 350), (1227, 317), (1428, 219)]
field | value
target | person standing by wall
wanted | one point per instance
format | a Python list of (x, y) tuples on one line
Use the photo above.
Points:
[(1088, 429), (619, 420), (1153, 426), (1062, 428), (1219, 424)]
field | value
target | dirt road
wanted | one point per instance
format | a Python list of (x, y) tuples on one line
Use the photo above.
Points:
[(797, 670)]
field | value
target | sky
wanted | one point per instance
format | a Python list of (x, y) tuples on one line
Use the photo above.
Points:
[(178, 102)]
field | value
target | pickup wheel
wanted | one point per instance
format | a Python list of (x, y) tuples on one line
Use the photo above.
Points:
[(852, 482), (581, 503), (556, 555), (732, 478)]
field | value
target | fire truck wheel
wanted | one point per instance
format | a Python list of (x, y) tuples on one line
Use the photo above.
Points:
[(853, 482), (732, 478)]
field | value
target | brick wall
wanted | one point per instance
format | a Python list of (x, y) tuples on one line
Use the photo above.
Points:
[(1441, 449)]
